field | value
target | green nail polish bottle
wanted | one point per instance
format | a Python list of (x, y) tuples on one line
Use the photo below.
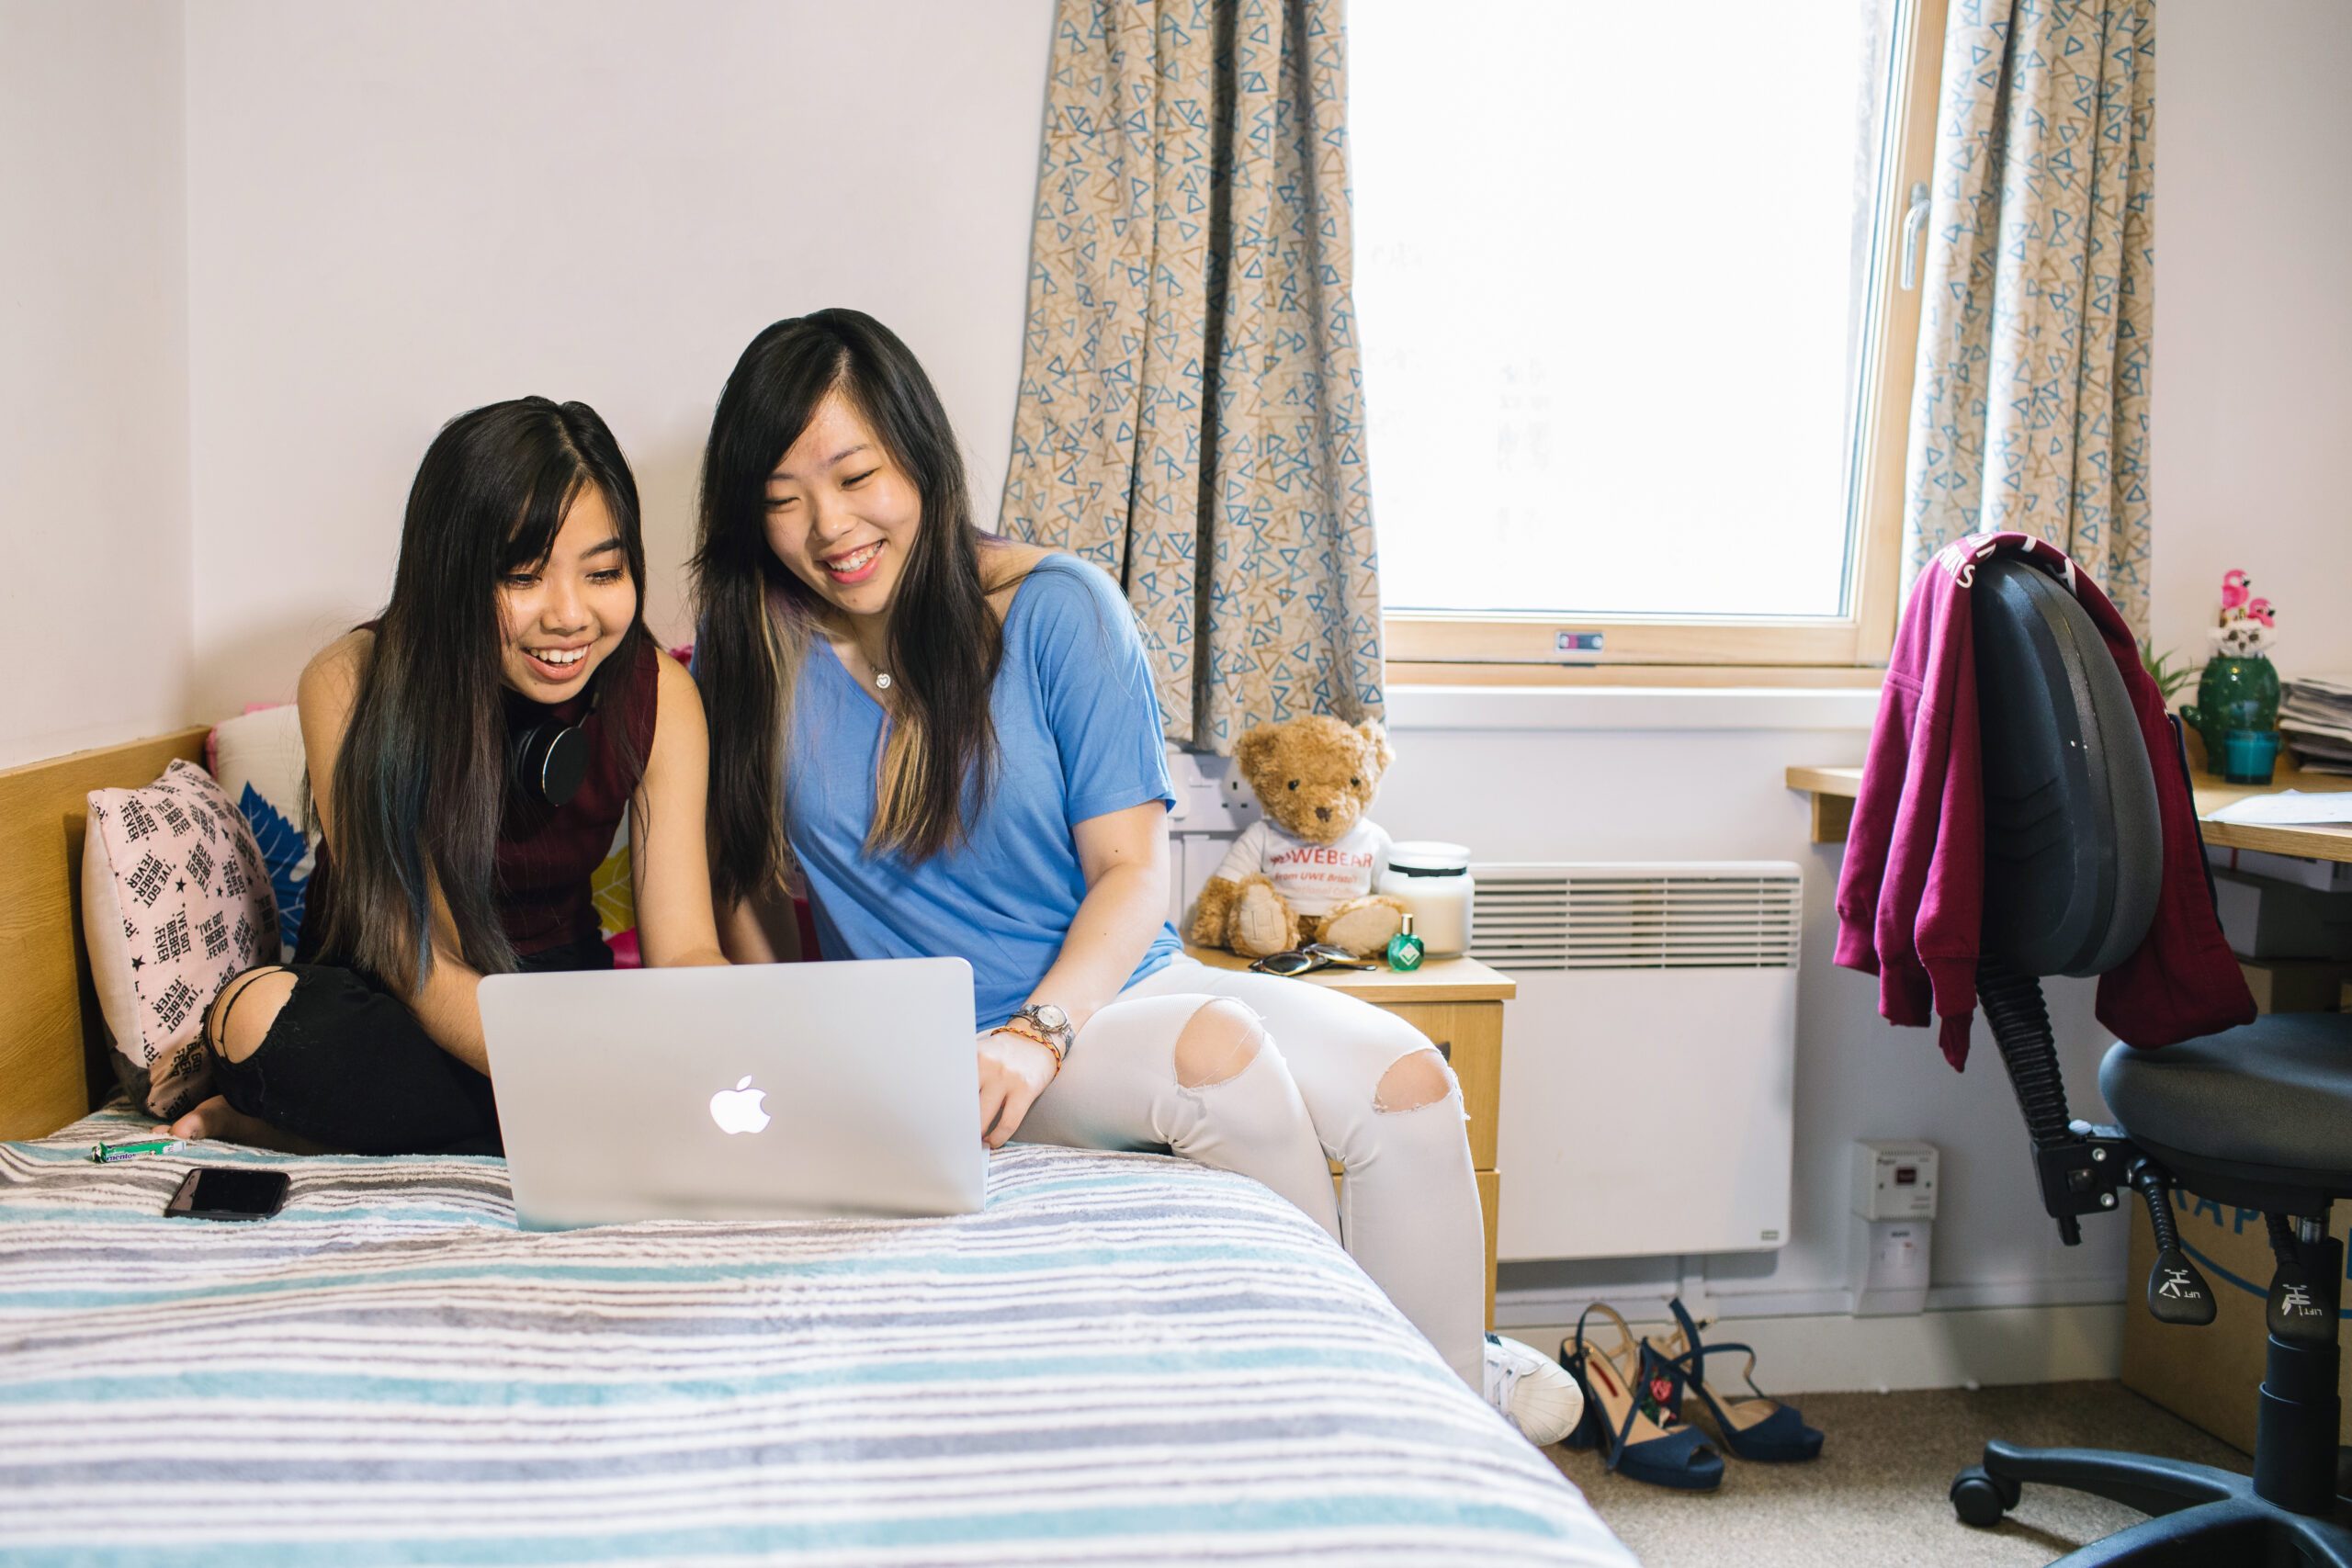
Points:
[(1405, 949)]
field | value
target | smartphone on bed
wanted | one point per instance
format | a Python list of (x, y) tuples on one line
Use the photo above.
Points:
[(219, 1192)]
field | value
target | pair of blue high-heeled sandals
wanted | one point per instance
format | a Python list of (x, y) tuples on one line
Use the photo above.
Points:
[(1633, 1399)]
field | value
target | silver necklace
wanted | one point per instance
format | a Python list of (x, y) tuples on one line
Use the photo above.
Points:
[(881, 676)]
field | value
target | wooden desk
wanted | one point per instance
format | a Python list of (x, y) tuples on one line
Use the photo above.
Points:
[(1458, 1003), (1834, 790), (2311, 843)]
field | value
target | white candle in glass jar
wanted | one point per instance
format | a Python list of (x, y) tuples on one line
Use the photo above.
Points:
[(1432, 879)]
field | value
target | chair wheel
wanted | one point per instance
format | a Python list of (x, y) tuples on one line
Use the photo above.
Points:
[(1981, 1498)]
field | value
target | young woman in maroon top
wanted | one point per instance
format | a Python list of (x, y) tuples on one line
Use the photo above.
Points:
[(517, 607)]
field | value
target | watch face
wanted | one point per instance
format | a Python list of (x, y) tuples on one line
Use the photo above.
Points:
[(1052, 1017)]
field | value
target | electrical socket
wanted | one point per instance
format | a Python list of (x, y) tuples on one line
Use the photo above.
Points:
[(1212, 797)]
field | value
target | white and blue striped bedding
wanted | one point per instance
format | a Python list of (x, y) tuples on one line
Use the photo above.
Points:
[(1122, 1359)]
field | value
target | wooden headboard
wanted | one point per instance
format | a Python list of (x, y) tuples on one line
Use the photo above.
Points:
[(52, 1041)]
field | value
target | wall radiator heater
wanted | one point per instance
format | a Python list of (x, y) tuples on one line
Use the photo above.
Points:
[(1648, 1061)]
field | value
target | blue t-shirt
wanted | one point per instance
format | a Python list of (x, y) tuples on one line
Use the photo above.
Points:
[(1078, 735)]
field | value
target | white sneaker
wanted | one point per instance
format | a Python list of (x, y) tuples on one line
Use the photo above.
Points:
[(1534, 1391)]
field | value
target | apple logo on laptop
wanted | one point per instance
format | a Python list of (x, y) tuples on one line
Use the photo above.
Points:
[(738, 1110)]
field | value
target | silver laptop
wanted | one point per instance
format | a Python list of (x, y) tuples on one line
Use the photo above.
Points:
[(762, 1091)]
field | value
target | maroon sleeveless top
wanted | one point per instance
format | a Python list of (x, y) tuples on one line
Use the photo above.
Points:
[(547, 855)]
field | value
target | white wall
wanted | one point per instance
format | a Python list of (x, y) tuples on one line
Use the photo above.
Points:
[(2252, 396), (94, 392), (400, 211)]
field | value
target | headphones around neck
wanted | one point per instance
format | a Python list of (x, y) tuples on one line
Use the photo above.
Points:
[(547, 761)]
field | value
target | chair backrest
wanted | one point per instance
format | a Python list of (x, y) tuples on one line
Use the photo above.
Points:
[(2073, 847)]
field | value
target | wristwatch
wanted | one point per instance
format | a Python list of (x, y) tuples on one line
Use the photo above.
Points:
[(1047, 1025)]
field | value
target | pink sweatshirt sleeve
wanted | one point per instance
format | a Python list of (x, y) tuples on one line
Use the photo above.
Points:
[(1932, 647), (1873, 827), (1948, 930), (2182, 981), (1903, 994)]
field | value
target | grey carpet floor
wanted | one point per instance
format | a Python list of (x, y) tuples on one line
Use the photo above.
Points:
[(1876, 1495)]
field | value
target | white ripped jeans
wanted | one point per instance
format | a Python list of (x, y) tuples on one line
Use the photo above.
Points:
[(1272, 1087)]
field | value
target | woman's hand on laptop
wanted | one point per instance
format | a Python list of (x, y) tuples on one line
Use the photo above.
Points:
[(1014, 1070)]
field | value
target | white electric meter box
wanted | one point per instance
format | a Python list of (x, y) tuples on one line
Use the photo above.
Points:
[(1895, 1181), (1889, 1238)]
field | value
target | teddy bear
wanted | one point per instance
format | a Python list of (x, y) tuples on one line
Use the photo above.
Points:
[(1305, 873)]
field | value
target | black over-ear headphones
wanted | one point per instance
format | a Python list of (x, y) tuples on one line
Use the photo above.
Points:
[(548, 760)]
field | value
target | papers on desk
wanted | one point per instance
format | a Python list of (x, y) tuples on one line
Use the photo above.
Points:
[(2315, 716), (2288, 808)]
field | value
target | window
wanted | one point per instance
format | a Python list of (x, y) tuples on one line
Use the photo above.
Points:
[(1637, 350)]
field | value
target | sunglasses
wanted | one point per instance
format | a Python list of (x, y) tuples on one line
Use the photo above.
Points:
[(1313, 956)]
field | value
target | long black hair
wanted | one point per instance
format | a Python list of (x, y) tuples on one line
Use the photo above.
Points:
[(756, 617), (421, 781)]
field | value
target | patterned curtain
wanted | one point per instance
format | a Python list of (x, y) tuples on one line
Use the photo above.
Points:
[(2030, 410), (1191, 404)]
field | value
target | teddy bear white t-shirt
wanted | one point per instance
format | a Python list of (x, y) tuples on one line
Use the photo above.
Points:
[(1311, 878)]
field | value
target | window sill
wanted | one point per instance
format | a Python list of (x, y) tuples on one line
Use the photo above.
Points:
[(1419, 705)]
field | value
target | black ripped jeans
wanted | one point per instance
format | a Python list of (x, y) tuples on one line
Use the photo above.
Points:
[(347, 1065)]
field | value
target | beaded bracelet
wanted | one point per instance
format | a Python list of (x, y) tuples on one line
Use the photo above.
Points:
[(1013, 1027)]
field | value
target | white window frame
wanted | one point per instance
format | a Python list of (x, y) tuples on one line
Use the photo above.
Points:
[(1446, 648)]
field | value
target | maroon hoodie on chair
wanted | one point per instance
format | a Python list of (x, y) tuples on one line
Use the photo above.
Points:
[(1911, 897)]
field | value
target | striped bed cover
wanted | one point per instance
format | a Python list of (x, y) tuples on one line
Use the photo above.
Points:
[(1122, 1359)]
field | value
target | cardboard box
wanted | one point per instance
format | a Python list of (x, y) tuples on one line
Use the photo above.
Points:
[(2212, 1377), (2294, 985), (2264, 918), (2319, 876)]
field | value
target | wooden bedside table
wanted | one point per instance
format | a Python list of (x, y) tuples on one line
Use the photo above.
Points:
[(1458, 1003)]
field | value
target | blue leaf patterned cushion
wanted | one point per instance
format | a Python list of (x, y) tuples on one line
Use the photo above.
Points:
[(258, 759), (285, 853)]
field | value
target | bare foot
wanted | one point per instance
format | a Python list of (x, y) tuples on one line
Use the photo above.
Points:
[(216, 1118)]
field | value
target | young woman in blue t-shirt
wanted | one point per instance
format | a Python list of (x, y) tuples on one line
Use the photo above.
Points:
[(954, 738)]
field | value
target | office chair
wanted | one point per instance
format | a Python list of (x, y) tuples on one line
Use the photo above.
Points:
[(2260, 1116)]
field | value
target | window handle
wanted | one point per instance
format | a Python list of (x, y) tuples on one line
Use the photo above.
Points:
[(1914, 224)]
